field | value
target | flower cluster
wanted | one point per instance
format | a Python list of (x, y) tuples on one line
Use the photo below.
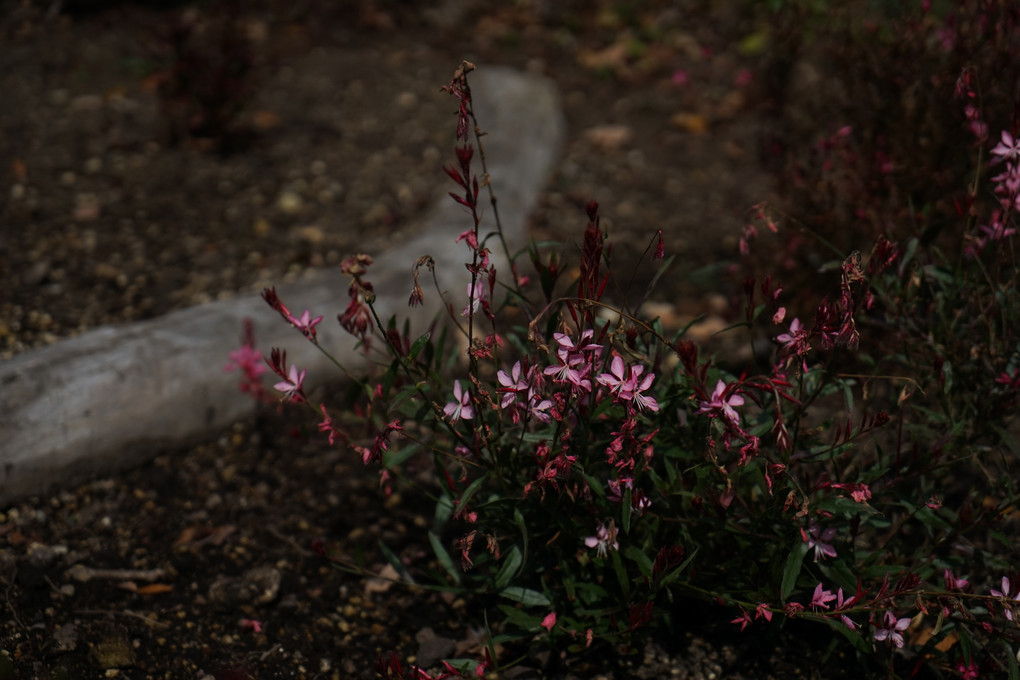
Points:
[(591, 473)]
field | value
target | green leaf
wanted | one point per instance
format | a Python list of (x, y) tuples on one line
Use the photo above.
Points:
[(418, 345), (523, 527), (466, 667), (1014, 670), (625, 520), (791, 571), (444, 510), (389, 377), (511, 564), (520, 618), (472, 489), (396, 457), (621, 573), (406, 394), (444, 558), (527, 597), (590, 593), (673, 575), (908, 254), (636, 555), (395, 563), (947, 375)]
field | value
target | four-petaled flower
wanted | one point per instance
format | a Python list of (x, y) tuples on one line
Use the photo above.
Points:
[(249, 361), (461, 406), (513, 384), (744, 620), (629, 387), (1008, 149), (953, 583), (819, 540), (1007, 600), (477, 296), (822, 597), (604, 538), (306, 324), (721, 404), (892, 629), (291, 387), (968, 671), (843, 604), (794, 341)]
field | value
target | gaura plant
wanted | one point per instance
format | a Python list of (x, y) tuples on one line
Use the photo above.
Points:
[(592, 474)]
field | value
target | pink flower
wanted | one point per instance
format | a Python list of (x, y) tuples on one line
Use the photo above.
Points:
[(1010, 380), (628, 388), (291, 386), (953, 583), (795, 340), (1008, 149), (819, 540), (571, 369), (604, 538), (460, 407), (513, 384), (248, 360), (842, 604), (744, 620), (549, 621), (892, 629), (357, 318), (1004, 595), (476, 297), (307, 325), (821, 597), (722, 404), (969, 671), (381, 444), (327, 425)]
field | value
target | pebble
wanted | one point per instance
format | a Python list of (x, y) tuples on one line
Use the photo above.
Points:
[(87, 207), (311, 233), (407, 100), (289, 202), (609, 137), (256, 586), (36, 273), (377, 214)]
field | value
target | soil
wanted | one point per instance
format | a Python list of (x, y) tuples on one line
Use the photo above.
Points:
[(123, 196)]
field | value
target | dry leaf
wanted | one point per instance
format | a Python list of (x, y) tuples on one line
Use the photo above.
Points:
[(155, 589)]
